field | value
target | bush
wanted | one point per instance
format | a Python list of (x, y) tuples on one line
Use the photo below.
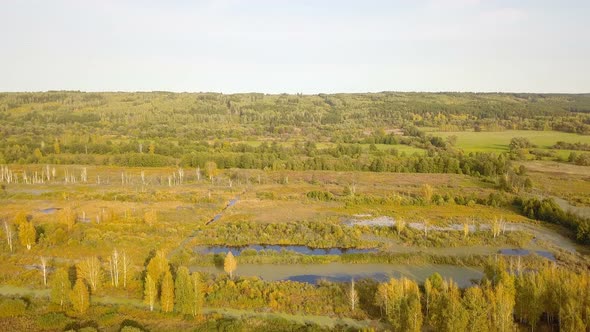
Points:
[(548, 210), (320, 195), (53, 320), (12, 307)]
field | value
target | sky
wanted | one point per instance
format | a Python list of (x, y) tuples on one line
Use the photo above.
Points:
[(279, 46)]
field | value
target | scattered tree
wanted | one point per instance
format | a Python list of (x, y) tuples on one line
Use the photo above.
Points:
[(44, 269), (150, 292), (184, 291), (89, 270), (80, 297), (230, 264), (9, 234), (167, 293), (197, 294), (158, 266), (352, 296), (60, 286), (27, 234)]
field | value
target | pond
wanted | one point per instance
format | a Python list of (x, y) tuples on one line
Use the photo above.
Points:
[(525, 252), (50, 210), (343, 272), (278, 248)]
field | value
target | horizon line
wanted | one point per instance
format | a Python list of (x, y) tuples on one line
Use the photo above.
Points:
[(300, 93)]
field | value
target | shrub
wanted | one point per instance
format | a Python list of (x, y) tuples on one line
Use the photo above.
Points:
[(320, 195), (53, 320), (12, 307)]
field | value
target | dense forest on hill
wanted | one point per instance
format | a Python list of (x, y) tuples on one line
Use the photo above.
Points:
[(297, 132)]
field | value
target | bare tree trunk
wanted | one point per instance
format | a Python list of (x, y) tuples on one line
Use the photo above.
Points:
[(115, 261), (9, 235), (44, 269), (111, 268), (353, 295), (125, 268)]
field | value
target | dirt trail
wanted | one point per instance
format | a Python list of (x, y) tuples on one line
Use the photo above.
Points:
[(183, 243)]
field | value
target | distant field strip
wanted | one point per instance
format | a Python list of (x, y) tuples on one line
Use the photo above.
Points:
[(499, 141)]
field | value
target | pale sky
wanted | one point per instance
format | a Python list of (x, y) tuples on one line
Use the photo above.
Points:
[(277, 46)]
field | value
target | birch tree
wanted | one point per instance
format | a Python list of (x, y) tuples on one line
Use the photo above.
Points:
[(230, 264), (27, 234), (60, 286), (80, 297), (126, 265), (167, 293), (114, 268), (183, 291), (352, 295), (158, 266), (9, 234), (44, 269), (89, 270), (150, 292), (197, 294)]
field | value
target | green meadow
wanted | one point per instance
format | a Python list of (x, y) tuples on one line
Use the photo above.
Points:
[(470, 141)]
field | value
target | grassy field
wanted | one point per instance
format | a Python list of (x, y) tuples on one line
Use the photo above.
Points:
[(470, 141), (563, 181)]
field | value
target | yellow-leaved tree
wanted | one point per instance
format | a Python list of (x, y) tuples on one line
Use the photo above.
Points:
[(80, 297), (230, 264)]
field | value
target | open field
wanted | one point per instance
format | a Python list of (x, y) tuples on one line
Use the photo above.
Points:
[(470, 141)]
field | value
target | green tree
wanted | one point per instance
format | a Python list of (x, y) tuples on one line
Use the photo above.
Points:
[(448, 313), (167, 293), (530, 296), (197, 294), (432, 287), (184, 291), (400, 300), (211, 169), (477, 309), (60, 286), (570, 317), (37, 154), (80, 297), (56, 147), (504, 306)]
